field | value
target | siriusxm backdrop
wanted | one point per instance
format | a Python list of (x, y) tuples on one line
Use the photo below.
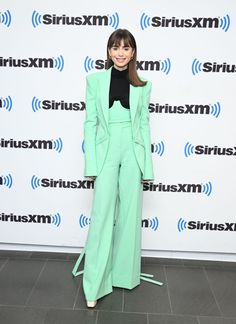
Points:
[(187, 50)]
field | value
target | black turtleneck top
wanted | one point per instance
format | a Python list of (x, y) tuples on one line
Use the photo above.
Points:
[(119, 87)]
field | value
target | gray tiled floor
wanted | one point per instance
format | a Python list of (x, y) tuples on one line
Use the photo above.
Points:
[(38, 288)]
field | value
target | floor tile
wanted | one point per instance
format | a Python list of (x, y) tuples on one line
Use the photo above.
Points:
[(194, 292), (171, 319), (15, 254), (221, 265), (229, 265), (216, 320), (202, 263), (121, 318), (73, 256), (2, 263), (112, 301), (223, 284), (49, 255), (56, 286), (148, 297), (21, 315), (70, 317), (208, 264), (17, 278), (162, 261), (190, 293)]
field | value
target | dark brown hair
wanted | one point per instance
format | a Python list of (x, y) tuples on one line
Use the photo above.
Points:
[(115, 39)]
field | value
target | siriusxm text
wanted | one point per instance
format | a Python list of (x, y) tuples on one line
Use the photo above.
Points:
[(216, 67), (78, 184), (30, 218), (215, 150), (26, 144), (62, 105), (83, 20), (194, 22), (180, 187), (208, 226), (182, 109), (30, 62)]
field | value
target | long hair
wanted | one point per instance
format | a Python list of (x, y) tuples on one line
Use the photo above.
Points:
[(115, 39)]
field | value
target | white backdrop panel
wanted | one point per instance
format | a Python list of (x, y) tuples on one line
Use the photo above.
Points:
[(45, 200)]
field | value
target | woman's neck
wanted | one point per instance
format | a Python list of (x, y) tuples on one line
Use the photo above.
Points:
[(120, 68)]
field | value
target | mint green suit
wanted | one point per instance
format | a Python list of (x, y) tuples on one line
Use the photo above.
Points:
[(118, 153), (96, 124)]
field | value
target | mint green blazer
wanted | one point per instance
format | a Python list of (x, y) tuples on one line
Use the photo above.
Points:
[(96, 132)]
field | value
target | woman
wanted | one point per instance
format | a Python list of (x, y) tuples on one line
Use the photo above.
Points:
[(118, 156)]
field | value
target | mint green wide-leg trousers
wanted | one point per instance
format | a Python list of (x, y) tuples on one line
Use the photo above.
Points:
[(113, 247)]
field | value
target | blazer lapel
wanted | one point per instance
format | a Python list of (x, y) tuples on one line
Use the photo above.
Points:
[(105, 87), (134, 98)]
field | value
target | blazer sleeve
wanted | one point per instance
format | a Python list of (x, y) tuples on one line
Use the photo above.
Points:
[(145, 131), (90, 127)]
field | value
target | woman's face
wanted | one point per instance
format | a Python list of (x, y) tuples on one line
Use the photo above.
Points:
[(121, 55)]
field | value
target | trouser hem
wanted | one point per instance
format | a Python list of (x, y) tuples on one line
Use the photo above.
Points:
[(125, 286)]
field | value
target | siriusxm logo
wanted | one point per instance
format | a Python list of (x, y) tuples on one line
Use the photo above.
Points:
[(158, 65), (56, 145), (84, 220), (38, 104), (83, 20), (6, 181), (34, 62), (193, 22), (214, 67), (63, 184), (191, 109), (205, 188), (30, 218), (82, 146), (158, 148), (152, 223), (6, 103), (5, 18), (182, 225), (190, 149)]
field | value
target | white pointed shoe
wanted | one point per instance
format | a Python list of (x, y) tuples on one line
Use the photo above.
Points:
[(91, 304)]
